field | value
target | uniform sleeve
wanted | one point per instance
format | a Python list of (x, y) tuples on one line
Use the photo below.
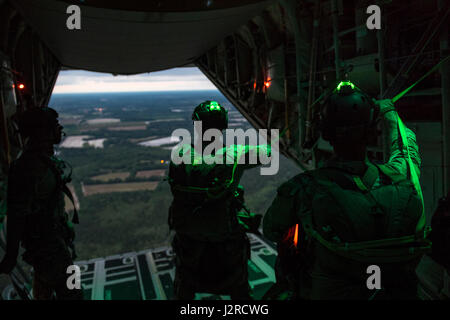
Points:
[(397, 161), (248, 156), (282, 214)]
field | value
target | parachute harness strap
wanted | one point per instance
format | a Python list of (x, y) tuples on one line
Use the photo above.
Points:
[(225, 187), (385, 250)]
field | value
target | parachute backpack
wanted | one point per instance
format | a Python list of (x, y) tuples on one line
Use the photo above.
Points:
[(349, 219)]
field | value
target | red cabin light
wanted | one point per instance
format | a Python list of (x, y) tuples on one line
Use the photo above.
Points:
[(296, 235)]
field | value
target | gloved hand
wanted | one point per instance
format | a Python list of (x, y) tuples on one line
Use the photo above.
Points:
[(7, 265), (249, 221)]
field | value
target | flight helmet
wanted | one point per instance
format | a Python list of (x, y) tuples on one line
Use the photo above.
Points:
[(39, 122), (349, 114), (212, 115)]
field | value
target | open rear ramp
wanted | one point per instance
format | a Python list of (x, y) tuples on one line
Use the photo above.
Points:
[(149, 274)]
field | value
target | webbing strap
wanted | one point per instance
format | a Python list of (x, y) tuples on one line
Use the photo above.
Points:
[(369, 178), (359, 183), (414, 176), (226, 187), (190, 189), (382, 250), (401, 94), (64, 188), (75, 218)]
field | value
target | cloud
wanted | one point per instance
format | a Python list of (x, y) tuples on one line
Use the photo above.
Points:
[(179, 79)]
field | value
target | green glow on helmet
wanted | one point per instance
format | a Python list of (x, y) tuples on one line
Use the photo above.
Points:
[(213, 105), (345, 83)]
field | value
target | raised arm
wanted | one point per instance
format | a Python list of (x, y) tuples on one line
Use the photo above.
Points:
[(248, 156), (396, 150)]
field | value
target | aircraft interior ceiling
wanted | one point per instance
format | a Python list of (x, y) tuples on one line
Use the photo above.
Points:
[(130, 42)]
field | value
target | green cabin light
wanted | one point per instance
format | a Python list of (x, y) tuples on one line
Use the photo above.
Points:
[(345, 83)]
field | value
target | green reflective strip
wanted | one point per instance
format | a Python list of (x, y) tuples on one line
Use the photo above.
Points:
[(414, 176), (345, 83), (359, 183), (401, 94)]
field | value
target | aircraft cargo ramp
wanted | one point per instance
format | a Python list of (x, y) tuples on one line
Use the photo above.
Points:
[(149, 274)]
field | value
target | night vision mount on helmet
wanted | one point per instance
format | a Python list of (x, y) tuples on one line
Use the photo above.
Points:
[(348, 112), (212, 115)]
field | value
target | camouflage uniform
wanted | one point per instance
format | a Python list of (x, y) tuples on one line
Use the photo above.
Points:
[(211, 246), (323, 274), (36, 218)]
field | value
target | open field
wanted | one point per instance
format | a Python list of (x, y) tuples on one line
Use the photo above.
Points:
[(166, 120), (136, 140), (112, 212), (89, 129), (67, 121), (118, 187), (127, 128), (79, 141), (160, 141), (102, 121), (111, 176), (150, 173)]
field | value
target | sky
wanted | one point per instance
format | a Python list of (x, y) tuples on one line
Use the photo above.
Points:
[(177, 79)]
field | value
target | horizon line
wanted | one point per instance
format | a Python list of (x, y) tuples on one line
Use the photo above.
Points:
[(156, 91)]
